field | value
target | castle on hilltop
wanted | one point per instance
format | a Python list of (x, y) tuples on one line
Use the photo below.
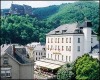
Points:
[(20, 9)]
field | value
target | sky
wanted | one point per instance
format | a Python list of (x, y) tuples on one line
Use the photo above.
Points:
[(33, 4)]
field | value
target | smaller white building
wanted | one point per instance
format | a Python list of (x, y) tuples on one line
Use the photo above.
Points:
[(39, 52), (36, 51)]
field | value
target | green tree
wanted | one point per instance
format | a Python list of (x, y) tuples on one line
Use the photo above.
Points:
[(65, 72), (26, 29), (86, 67)]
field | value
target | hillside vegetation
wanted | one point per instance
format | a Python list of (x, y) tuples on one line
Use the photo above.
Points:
[(25, 29)]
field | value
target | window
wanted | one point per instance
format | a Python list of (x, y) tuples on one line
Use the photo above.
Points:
[(58, 57), (36, 53), (66, 40), (48, 40), (55, 40), (78, 40), (41, 53), (62, 57), (66, 48), (56, 32), (55, 47), (6, 72), (64, 31), (58, 48), (66, 58), (62, 48), (48, 55), (36, 58), (62, 40), (69, 40), (51, 47), (55, 56), (78, 48), (69, 58), (58, 40), (51, 56), (91, 40), (5, 60), (48, 47), (51, 40), (69, 48)]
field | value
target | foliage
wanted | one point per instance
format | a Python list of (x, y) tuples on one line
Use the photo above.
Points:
[(21, 29), (25, 29), (86, 67), (45, 12), (65, 72), (72, 12)]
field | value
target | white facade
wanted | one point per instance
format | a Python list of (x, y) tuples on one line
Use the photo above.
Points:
[(87, 39), (37, 52), (67, 47)]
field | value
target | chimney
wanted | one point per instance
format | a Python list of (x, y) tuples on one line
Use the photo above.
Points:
[(13, 49)]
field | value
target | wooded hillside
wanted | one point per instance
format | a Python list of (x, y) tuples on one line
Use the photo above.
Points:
[(25, 29)]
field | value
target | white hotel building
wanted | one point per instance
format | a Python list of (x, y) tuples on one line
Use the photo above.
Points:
[(68, 41)]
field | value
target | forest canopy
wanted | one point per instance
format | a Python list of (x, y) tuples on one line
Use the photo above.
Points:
[(26, 29)]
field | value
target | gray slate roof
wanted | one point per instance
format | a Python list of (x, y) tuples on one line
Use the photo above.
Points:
[(39, 47), (94, 47), (66, 28), (86, 24), (17, 56), (73, 28)]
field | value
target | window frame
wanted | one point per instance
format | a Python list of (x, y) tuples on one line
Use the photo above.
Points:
[(62, 48), (69, 48), (66, 40), (58, 40), (5, 60), (62, 40), (78, 48), (6, 72), (66, 58), (70, 40), (91, 40), (62, 58), (78, 40), (55, 40)]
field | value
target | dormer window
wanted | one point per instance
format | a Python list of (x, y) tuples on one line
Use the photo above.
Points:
[(56, 32), (77, 31), (64, 31)]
